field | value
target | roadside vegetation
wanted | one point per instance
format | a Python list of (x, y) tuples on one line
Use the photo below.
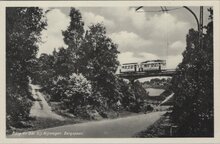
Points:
[(23, 29), (192, 84), (158, 129)]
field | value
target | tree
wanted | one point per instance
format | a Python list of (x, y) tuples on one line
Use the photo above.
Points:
[(62, 64), (193, 86), (140, 96), (23, 29), (134, 95), (98, 58), (45, 69), (73, 37)]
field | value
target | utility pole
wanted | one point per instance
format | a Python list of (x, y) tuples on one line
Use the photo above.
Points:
[(201, 28), (201, 19)]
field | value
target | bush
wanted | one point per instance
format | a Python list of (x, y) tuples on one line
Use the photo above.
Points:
[(149, 108), (74, 91), (133, 96), (17, 106)]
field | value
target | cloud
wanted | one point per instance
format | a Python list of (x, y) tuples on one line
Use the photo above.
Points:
[(148, 56), (177, 45), (52, 36), (125, 15), (145, 32), (129, 57), (129, 41), (138, 20), (173, 61), (165, 25), (148, 24), (90, 18)]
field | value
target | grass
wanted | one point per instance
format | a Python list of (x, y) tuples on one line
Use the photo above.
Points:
[(158, 129)]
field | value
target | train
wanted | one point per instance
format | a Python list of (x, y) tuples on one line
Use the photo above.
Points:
[(146, 66)]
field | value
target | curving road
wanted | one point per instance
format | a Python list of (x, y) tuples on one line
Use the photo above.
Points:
[(113, 128)]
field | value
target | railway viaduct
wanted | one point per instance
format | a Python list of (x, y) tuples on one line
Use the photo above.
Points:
[(137, 75)]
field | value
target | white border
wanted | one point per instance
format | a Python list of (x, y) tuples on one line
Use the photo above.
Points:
[(216, 7)]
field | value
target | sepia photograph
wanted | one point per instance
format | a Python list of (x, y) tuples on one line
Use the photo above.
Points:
[(133, 71)]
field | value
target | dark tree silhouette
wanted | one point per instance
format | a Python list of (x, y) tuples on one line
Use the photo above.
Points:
[(193, 86), (23, 29)]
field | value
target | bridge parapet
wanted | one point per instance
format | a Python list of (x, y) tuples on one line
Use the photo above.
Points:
[(136, 75)]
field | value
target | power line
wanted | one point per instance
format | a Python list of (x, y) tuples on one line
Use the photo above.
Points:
[(163, 9)]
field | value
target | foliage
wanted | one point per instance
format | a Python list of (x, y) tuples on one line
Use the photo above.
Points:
[(133, 96), (193, 86), (73, 38), (45, 69), (140, 96), (74, 91), (23, 29), (157, 83), (98, 62)]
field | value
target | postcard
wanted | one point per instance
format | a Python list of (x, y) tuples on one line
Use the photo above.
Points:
[(110, 71)]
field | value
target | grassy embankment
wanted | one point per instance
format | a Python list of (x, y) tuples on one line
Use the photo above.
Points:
[(159, 129)]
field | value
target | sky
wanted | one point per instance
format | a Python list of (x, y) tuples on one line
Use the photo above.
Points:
[(140, 36)]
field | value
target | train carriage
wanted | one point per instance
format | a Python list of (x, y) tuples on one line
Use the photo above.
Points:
[(129, 67), (153, 65)]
